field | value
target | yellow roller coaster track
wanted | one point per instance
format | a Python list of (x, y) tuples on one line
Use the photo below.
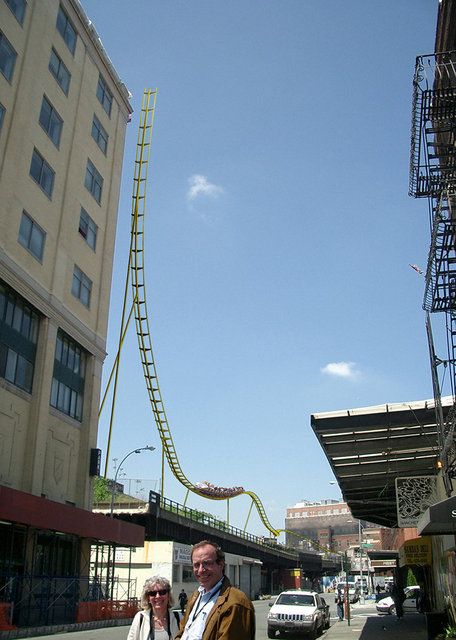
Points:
[(138, 284)]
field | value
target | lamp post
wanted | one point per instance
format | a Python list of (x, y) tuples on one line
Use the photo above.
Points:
[(146, 448), (360, 541)]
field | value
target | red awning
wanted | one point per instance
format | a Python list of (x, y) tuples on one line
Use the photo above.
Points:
[(25, 508)]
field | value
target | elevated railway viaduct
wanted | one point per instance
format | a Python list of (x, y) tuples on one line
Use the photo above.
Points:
[(168, 520)]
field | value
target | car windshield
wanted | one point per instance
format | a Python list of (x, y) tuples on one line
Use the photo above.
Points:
[(299, 599)]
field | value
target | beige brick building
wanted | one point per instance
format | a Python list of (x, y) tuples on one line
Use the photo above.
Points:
[(63, 117)]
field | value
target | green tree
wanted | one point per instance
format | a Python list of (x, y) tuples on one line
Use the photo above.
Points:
[(101, 491), (411, 579)]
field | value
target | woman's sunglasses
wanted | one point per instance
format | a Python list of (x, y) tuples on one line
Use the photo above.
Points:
[(160, 592)]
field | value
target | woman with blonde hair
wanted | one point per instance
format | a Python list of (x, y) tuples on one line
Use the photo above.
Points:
[(155, 621)]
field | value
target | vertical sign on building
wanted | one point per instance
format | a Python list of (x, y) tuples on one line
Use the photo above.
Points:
[(414, 495)]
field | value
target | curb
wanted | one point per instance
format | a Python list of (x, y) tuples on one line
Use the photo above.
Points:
[(31, 632)]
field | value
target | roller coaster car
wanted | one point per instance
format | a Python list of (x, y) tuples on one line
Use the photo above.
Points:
[(207, 489)]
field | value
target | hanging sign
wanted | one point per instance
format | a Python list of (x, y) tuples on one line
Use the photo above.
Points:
[(414, 494), (417, 551)]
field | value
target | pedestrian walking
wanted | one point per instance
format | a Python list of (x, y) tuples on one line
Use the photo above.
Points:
[(183, 600), (216, 610), (340, 601), (398, 596)]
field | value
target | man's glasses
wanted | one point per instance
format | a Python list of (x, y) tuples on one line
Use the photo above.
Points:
[(160, 592), (206, 564)]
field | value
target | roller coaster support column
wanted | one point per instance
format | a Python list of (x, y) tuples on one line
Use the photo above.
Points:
[(163, 472), (248, 516)]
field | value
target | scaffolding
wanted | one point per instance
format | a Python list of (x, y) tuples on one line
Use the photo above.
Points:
[(61, 585)]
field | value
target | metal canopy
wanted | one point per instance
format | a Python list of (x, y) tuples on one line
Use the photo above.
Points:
[(368, 448), (439, 518)]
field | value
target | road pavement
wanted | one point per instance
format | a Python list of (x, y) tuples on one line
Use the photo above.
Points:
[(365, 624)]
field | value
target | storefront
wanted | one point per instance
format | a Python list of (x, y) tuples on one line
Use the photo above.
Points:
[(45, 551), (439, 523)]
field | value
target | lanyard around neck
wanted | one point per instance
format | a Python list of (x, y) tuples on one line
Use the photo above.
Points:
[(197, 610)]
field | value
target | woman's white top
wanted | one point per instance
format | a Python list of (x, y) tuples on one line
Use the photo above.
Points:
[(140, 630)]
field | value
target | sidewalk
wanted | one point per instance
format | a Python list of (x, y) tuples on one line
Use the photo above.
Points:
[(366, 624)]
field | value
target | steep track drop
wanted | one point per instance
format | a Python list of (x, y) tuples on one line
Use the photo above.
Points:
[(138, 284)]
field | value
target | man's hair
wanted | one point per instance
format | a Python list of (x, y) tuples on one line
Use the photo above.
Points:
[(219, 555)]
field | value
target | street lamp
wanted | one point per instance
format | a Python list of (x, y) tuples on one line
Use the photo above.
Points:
[(360, 542), (146, 448)]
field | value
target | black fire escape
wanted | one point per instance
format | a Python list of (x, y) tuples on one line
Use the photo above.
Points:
[(433, 176)]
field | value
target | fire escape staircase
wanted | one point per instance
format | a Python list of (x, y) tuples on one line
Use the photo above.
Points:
[(433, 176)]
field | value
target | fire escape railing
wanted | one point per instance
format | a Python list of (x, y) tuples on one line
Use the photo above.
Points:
[(433, 176)]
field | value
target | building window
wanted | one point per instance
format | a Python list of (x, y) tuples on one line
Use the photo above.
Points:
[(7, 57), (42, 173), (31, 236), (81, 287), (66, 30), (51, 121), (56, 554), (88, 229), (2, 115), (187, 573), (59, 71), (93, 181), (67, 391), (99, 134), (18, 337), (104, 95), (18, 9)]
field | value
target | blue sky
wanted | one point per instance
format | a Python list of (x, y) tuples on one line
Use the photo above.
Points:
[(279, 232)]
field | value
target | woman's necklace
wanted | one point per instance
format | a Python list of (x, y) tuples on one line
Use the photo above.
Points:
[(159, 623)]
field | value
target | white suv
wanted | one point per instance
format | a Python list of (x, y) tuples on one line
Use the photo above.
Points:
[(298, 611)]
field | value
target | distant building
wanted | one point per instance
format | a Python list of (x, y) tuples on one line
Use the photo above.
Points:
[(329, 524), (173, 561), (63, 116)]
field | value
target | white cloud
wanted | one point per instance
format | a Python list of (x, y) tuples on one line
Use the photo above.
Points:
[(340, 369), (200, 186)]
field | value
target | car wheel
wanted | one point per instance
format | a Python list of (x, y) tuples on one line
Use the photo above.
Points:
[(392, 610), (328, 623), (271, 633), (313, 634)]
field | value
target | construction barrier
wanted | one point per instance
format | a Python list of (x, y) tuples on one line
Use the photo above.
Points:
[(5, 617), (105, 610)]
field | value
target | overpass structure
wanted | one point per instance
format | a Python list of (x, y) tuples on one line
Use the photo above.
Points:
[(164, 519)]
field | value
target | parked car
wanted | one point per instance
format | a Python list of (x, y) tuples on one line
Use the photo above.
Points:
[(386, 604), (326, 614), (297, 611)]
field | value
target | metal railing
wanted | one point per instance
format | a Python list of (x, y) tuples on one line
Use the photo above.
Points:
[(209, 520)]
